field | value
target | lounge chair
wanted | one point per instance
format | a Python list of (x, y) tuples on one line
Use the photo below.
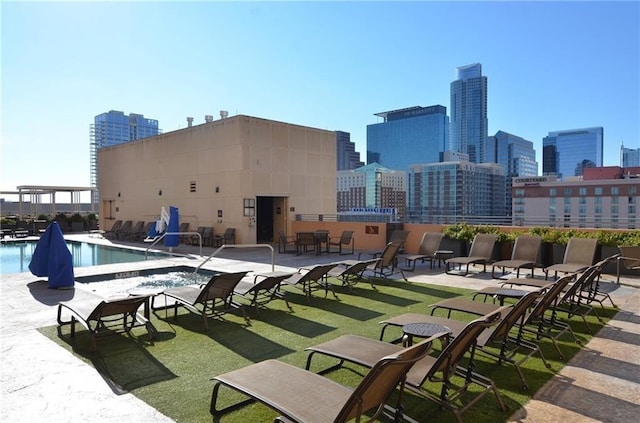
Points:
[(137, 232), (590, 291), (579, 255), (184, 228), (286, 244), (440, 370), (303, 396), (263, 288), (229, 236), (629, 258), (386, 265), (500, 342), (480, 253), (345, 239), (105, 317), (351, 272), (113, 231), (208, 236), (524, 255), (427, 251), (204, 300), (124, 231), (312, 279), (572, 303)]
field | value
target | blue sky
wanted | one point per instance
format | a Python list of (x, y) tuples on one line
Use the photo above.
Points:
[(331, 65)]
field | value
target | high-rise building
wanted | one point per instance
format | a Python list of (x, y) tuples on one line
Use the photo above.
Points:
[(347, 158), (372, 187), (469, 124), (113, 128), (566, 153), (516, 155), (456, 189), (406, 136), (629, 157)]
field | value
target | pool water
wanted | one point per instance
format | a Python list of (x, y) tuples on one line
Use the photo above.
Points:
[(16, 256), (113, 285)]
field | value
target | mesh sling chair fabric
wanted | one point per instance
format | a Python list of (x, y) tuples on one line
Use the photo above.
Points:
[(429, 244), (480, 253), (312, 279), (303, 396), (524, 255), (345, 240), (439, 370), (262, 289), (579, 255), (213, 299), (105, 317)]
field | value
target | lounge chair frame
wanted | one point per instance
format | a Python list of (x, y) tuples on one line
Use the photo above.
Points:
[(213, 299), (629, 258), (263, 289), (524, 256), (440, 369), (480, 253), (386, 265), (345, 239), (105, 317), (429, 244), (294, 392), (351, 272), (579, 254), (309, 280)]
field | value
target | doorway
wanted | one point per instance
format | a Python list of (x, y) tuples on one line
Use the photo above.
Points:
[(271, 217)]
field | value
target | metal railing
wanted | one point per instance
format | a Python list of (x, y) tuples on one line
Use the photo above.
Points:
[(161, 237), (225, 246)]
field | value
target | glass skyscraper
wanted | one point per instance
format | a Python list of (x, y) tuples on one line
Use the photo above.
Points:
[(469, 123), (407, 136), (113, 128), (629, 157), (567, 153)]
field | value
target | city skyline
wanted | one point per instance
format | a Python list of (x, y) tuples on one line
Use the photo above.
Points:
[(330, 65)]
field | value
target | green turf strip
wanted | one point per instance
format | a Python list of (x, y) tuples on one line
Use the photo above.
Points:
[(173, 374)]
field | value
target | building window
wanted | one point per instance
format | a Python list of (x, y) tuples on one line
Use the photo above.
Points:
[(597, 191), (552, 192), (249, 207), (582, 191), (633, 190), (615, 191), (519, 192), (567, 192)]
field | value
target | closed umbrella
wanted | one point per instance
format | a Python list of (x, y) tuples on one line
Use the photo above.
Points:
[(53, 259), (173, 227)]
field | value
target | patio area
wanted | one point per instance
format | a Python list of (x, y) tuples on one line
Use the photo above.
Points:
[(42, 381)]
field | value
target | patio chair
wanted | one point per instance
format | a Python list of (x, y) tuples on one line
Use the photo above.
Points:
[(184, 227), (386, 265), (263, 289), (629, 257), (590, 291), (113, 231), (137, 232), (211, 299), (312, 279), (284, 242), (572, 303), (480, 253), (440, 370), (105, 317), (304, 240), (124, 231), (208, 236), (345, 239), (228, 237), (351, 272), (524, 255), (426, 252), (579, 255), (303, 396), (542, 320)]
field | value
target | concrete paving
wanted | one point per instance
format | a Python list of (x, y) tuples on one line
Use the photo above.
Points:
[(41, 381)]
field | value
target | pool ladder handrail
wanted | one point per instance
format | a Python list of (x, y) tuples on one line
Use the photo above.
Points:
[(224, 246), (161, 237)]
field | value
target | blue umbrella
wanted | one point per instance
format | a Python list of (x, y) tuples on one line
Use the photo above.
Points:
[(52, 258), (174, 226)]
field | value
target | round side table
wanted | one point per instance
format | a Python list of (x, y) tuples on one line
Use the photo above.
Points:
[(422, 330)]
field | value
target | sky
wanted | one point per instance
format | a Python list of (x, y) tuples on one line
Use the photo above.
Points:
[(330, 64)]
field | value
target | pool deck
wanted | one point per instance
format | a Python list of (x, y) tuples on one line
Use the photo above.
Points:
[(44, 382)]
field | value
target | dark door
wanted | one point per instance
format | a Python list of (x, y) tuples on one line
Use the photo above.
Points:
[(264, 220)]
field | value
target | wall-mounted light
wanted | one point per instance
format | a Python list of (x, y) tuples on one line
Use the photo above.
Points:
[(118, 195), (159, 192), (217, 189)]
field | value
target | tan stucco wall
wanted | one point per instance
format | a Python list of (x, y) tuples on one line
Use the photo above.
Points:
[(245, 157)]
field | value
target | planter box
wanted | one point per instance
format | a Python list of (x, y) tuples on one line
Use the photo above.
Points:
[(460, 248)]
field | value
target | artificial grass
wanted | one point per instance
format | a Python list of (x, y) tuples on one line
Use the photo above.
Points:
[(173, 374)]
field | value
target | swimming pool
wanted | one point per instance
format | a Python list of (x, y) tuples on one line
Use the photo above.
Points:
[(15, 256)]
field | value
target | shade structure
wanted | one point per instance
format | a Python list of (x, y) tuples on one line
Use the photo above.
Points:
[(53, 259), (173, 227)]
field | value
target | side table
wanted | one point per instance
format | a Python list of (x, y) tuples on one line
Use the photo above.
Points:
[(423, 330)]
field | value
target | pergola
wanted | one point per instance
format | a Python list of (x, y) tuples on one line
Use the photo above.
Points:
[(35, 194)]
